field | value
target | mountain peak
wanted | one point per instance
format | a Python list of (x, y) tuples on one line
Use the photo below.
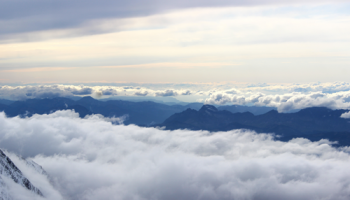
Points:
[(208, 108), (272, 112), (87, 99)]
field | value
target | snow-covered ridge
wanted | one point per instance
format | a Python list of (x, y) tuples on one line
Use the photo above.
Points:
[(10, 170), (35, 166), (4, 193)]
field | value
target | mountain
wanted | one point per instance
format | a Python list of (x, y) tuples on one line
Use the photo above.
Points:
[(42, 106), (207, 118), (144, 113), (314, 123), (306, 121), (37, 106), (9, 169), (3, 107), (6, 102), (140, 113), (256, 110), (162, 100)]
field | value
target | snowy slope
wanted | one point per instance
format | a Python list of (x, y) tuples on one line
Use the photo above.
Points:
[(35, 166), (4, 193), (10, 170)]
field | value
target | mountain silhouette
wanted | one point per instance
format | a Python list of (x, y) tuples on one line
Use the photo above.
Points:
[(144, 113), (313, 123)]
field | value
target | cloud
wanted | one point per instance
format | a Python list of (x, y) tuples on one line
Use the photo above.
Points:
[(285, 97), (82, 91), (25, 92), (187, 92), (283, 102), (166, 93), (97, 94), (51, 91), (218, 99), (345, 115), (141, 93), (24, 16), (94, 159), (109, 91)]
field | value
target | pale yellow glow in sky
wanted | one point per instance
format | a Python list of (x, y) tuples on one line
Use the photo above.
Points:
[(202, 45)]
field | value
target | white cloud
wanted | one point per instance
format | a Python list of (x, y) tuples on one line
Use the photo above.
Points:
[(345, 115), (187, 92), (141, 93), (51, 91), (285, 101), (285, 97), (93, 159), (166, 93)]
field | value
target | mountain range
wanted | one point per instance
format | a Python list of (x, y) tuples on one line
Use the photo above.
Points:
[(144, 113), (313, 123)]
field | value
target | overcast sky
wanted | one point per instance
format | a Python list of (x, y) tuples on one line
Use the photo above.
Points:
[(174, 41)]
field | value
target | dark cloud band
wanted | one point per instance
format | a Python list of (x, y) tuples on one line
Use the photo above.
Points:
[(21, 16)]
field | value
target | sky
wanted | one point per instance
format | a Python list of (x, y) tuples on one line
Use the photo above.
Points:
[(267, 41)]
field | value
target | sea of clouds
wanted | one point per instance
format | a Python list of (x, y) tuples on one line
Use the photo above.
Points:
[(92, 158), (285, 97)]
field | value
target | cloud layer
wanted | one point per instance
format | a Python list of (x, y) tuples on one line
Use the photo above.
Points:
[(51, 91), (285, 98), (285, 102), (93, 159)]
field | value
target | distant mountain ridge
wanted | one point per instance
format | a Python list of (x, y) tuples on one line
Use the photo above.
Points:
[(314, 123), (256, 110), (145, 113)]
